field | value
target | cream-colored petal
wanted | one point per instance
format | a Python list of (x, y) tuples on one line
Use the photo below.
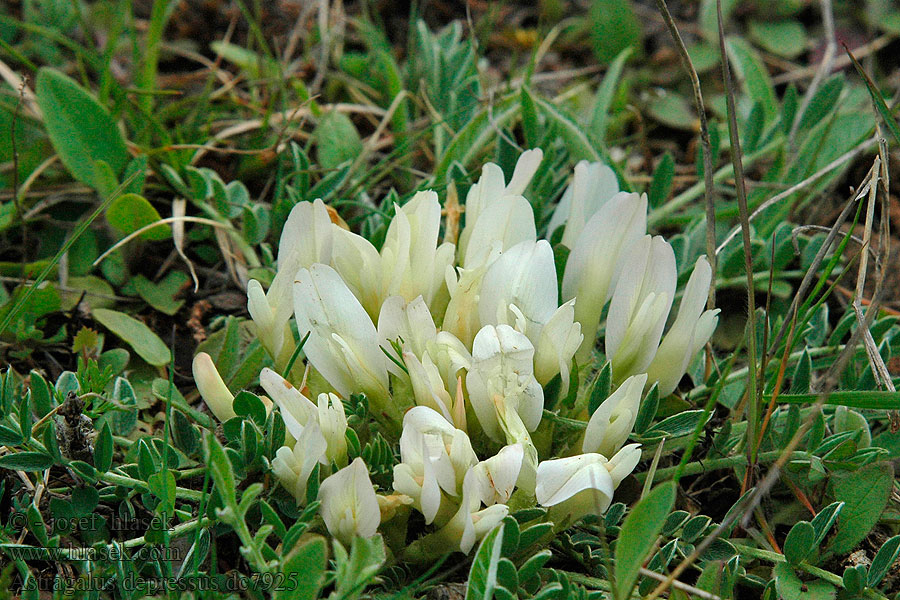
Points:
[(212, 388), (296, 409)]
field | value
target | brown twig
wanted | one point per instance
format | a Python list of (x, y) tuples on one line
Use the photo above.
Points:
[(709, 186)]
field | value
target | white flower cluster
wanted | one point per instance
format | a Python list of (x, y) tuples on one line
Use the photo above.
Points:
[(453, 342)]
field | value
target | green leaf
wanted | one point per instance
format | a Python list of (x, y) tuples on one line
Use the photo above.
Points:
[(800, 542), (823, 521), (353, 574), (103, 449), (661, 185), (41, 399), (84, 500), (614, 28), (475, 135), (638, 535), (601, 388), (884, 560), (9, 436), (854, 579), (220, 468), (304, 570), (130, 212), (785, 38), (26, 461), (123, 420), (81, 130), (709, 19), (647, 410), (533, 565), (162, 485), (865, 493), (822, 102), (679, 424), (146, 343), (605, 94), (337, 140), (248, 404), (673, 110), (877, 99), (256, 65), (161, 296), (751, 70), (802, 372), (483, 574), (570, 131), (791, 587), (92, 291), (875, 400)]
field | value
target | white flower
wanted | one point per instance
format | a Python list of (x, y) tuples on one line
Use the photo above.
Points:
[(559, 340), (450, 356), (497, 476), (611, 423), (410, 263), (408, 322), (333, 422), (583, 484), (502, 379), (294, 466), (592, 186), (470, 523), (520, 289), (349, 506), (623, 463), (640, 306), (211, 387), (689, 333), (508, 221), (434, 458), (428, 387), (296, 409), (305, 239), (595, 262), (270, 333), (464, 286), (491, 187), (343, 341), (359, 265), (504, 394)]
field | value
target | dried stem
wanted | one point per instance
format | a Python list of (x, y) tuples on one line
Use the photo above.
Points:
[(709, 187)]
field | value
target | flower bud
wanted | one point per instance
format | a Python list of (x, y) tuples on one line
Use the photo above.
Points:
[(211, 387)]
